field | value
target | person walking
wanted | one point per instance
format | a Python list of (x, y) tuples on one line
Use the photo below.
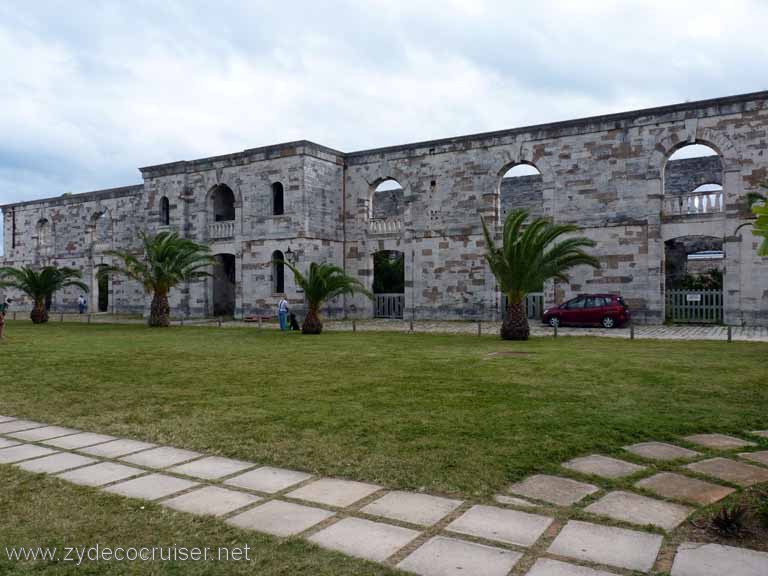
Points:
[(82, 303), (3, 310), (282, 313)]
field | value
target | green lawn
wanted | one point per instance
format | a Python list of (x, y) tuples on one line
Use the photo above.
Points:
[(406, 411)]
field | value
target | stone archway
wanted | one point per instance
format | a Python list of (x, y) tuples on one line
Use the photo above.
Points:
[(224, 285)]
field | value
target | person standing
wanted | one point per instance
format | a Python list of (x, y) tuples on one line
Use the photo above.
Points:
[(282, 313), (81, 303), (3, 309)]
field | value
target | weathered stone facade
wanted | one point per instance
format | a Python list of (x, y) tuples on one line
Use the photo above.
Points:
[(606, 174)]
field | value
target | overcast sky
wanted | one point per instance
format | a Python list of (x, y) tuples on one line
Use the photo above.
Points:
[(90, 91)]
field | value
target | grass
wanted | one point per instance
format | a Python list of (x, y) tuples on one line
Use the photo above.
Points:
[(407, 411)]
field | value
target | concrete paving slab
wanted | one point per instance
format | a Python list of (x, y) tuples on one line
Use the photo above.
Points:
[(44, 433), (501, 524), (268, 479), (280, 518), (441, 556), (603, 466), (100, 474), (23, 452), (640, 510), (212, 467), (117, 448), (332, 492), (512, 501), (162, 457), (607, 545), (759, 457), (364, 538), (152, 487), (211, 501), (421, 509), (696, 559), (549, 567), (661, 451), (553, 489), (4, 419), (718, 441), (17, 425), (731, 471), (79, 440), (761, 433), (56, 463), (679, 487), (5, 443)]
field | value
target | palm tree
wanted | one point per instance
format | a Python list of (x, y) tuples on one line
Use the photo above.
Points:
[(324, 282), (527, 258), (168, 260), (40, 286)]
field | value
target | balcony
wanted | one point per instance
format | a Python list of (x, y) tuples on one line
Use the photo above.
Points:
[(694, 203), (221, 230), (385, 226)]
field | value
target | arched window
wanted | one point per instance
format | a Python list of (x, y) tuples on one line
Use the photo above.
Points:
[(223, 200), (693, 181), (521, 187), (278, 272), (165, 211), (387, 200), (278, 200), (43, 235)]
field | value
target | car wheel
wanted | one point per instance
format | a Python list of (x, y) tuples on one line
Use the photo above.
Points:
[(608, 322), (554, 321)]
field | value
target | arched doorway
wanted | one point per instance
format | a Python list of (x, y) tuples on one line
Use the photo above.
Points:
[(223, 203), (278, 272), (103, 295), (693, 181), (389, 284), (694, 269), (224, 285)]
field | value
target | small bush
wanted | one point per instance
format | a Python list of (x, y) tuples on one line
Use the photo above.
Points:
[(729, 519)]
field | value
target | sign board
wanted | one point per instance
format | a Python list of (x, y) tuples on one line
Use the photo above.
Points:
[(693, 297)]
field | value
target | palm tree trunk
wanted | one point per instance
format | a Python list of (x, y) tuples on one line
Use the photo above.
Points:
[(312, 323), (2, 326), (160, 313), (39, 314), (515, 324)]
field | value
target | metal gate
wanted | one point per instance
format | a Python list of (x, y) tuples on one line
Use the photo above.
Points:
[(695, 306), (388, 305), (534, 305)]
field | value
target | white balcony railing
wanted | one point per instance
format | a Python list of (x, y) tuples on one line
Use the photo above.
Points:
[(385, 226), (694, 203), (219, 230)]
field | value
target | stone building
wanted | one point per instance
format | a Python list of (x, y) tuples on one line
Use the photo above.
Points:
[(612, 175)]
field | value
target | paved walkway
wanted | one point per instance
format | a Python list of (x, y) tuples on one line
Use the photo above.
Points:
[(433, 535)]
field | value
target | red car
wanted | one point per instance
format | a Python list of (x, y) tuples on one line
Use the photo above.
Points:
[(606, 310)]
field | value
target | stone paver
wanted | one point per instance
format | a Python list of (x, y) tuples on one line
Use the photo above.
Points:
[(607, 545), (501, 524), (211, 501), (695, 559), (79, 440), (603, 466), (441, 556), (641, 510), (421, 509), (152, 487), (100, 474), (161, 457), (5, 443), (549, 567), (332, 492), (56, 463), (364, 538), (553, 489), (661, 451), (759, 457), (731, 471), (212, 467), (512, 501), (17, 425), (761, 433), (280, 518), (679, 487), (23, 452), (268, 479), (117, 448), (44, 433), (718, 441)]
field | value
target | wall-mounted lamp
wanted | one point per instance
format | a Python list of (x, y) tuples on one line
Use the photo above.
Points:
[(291, 257)]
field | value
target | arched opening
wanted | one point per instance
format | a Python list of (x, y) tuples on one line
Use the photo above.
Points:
[(101, 226), (223, 203), (693, 181), (387, 200), (694, 269), (103, 289), (43, 236), (165, 211), (278, 200), (521, 186), (389, 283), (224, 285), (278, 272)]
